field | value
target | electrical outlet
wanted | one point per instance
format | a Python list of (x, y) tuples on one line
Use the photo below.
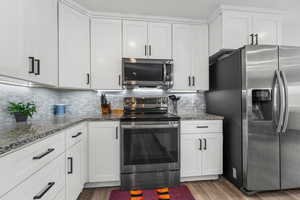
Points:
[(234, 173)]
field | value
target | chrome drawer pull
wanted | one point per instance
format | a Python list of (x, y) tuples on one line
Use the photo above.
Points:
[(200, 146), (202, 126), (43, 154), (42, 193), (78, 134)]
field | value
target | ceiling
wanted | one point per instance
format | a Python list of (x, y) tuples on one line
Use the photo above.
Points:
[(195, 9)]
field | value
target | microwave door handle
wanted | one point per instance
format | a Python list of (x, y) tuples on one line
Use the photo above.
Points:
[(165, 72)]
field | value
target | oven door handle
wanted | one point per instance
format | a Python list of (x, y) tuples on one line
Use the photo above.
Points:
[(149, 126)]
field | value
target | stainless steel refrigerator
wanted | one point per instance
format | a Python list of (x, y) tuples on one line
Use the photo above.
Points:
[(257, 90)]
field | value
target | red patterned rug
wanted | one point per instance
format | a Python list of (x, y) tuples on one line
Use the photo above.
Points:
[(176, 193)]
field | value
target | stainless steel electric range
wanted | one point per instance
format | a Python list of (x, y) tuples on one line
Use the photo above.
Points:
[(150, 144)]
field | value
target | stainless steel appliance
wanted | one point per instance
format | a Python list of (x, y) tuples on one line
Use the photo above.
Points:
[(147, 73), (150, 145), (257, 90)]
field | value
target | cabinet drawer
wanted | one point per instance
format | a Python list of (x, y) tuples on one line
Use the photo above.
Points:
[(209, 126), (61, 195), (45, 184), (74, 134), (19, 165)]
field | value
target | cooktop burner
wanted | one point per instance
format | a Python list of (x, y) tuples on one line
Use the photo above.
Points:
[(150, 117)]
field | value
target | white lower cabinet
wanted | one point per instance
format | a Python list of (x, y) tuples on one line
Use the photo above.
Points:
[(76, 160), (104, 155), (73, 171), (201, 151), (45, 184)]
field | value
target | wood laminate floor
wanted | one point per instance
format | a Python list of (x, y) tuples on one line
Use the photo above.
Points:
[(206, 190)]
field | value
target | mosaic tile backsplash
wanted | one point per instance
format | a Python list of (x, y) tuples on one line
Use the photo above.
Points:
[(83, 102)]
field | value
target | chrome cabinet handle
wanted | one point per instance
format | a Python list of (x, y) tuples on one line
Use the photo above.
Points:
[(119, 80), (77, 135), (256, 39), (193, 80), (44, 191), (87, 78), (200, 146), (38, 69), (189, 80), (202, 126), (71, 165), (43, 154), (286, 106), (31, 67), (252, 39), (150, 50), (117, 133), (205, 144), (145, 50)]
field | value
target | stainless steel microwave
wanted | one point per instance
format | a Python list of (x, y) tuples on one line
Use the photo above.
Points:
[(157, 73)]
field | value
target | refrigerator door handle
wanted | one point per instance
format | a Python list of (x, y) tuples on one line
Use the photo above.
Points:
[(278, 122), (286, 96)]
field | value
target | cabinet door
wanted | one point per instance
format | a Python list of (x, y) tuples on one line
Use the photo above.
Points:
[(84, 155), (135, 39), (191, 157), (104, 156), (236, 30), (73, 171), (160, 40), (74, 48), (13, 62), (106, 53), (182, 55), (45, 41), (212, 162), (200, 60), (268, 28)]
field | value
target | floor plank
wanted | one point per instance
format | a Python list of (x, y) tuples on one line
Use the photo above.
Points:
[(206, 190)]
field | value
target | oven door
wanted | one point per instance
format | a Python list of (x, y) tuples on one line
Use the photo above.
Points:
[(146, 72), (150, 146)]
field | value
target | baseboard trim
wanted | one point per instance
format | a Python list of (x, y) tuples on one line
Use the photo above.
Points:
[(183, 179), (102, 184), (199, 178)]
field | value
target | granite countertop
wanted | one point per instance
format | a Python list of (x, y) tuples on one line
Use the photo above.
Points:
[(19, 135), (22, 134)]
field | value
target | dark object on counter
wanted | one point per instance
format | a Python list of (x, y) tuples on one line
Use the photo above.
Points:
[(105, 106), (20, 117), (106, 109), (174, 100), (21, 111)]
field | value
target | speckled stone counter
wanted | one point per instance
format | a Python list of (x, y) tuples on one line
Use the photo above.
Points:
[(12, 138), (22, 134), (202, 116)]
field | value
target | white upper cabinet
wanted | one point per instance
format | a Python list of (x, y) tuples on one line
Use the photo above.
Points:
[(135, 39), (190, 54), (268, 28), (74, 49), (147, 40), (106, 50), (28, 40), (12, 40), (160, 41), (236, 30), (232, 28), (45, 41)]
